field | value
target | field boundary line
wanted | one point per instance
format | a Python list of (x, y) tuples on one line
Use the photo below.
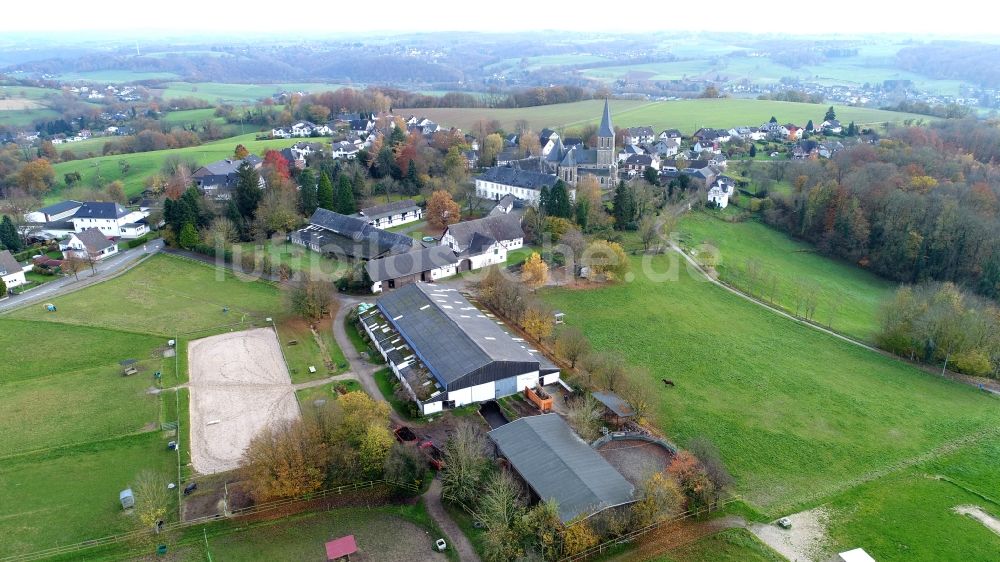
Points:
[(76, 444)]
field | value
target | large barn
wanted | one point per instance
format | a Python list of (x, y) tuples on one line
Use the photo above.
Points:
[(343, 236), (447, 352)]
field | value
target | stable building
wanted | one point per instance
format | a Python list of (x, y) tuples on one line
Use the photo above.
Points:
[(392, 214), (425, 264), (557, 464), (447, 353), (351, 237)]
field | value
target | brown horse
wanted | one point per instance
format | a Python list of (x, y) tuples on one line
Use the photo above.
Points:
[(668, 382)]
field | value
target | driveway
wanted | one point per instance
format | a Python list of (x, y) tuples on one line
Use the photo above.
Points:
[(106, 269)]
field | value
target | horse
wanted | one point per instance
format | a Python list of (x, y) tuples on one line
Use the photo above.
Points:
[(668, 382)]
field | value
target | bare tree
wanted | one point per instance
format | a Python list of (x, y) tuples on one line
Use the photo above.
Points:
[(73, 264)]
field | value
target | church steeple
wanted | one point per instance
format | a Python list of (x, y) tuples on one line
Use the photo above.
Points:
[(606, 139)]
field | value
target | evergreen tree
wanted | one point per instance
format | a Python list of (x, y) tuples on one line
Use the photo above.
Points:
[(852, 129), (624, 208), (582, 213), (344, 198), (358, 183), (543, 200), (9, 237), (324, 193), (248, 192), (234, 216), (193, 210), (809, 126), (189, 236), (558, 204), (412, 180), (651, 175), (307, 192), (753, 151), (830, 114), (397, 136), (773, 119)]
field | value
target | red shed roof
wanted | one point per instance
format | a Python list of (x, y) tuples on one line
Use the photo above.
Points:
[(341, 547)]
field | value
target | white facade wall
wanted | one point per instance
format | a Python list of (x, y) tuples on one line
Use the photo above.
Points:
[(527, 380), (446, 271), (495, 255), (550, 379), (397, 219), (432, 407), (483, 392), (14, 280), (461, 396)]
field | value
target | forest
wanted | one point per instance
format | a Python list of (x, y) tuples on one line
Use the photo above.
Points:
[(978, 63)]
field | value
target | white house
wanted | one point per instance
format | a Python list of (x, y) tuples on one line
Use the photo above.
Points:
[(54, 213), (447, 353), (345, 150), (10, 271), (720, 192), (504, 229), (500, 181), (639, 135), (111, 219), (399, 270), (392, 214), (88, 244), (667, 148)]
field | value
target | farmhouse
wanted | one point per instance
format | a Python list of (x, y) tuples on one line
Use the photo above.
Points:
[(54, 213), (501, 181), (484, 241), (392, 214), (343, 236), (557, 465), (448, 353), (218, 179), (111, 219), (90, 244), (425, 264), (10, 271)]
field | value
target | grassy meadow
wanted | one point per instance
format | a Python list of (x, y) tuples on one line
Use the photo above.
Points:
[(798, 415), (218, 92), (731, 545), (142, 165), (685, 115), (848, 297)]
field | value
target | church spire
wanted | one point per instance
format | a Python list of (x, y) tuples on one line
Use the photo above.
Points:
[(606, 130)]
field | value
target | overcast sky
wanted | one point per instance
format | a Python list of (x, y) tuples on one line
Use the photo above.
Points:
[(755, 16)]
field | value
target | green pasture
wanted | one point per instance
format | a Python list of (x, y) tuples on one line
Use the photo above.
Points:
[(731, 545)]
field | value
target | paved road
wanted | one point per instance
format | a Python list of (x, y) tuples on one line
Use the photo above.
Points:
[(106, 269)]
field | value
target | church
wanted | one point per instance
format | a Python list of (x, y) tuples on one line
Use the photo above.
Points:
[(577, 162)]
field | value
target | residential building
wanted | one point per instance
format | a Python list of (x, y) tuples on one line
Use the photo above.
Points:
[(639, 135), (556, 464), (722, 189), (446, 352), (54, 213), (504, 229), (11, 272), (111, 219), (218, 179), (501, 181), (392, 214), (345, 150), (89, 244), (424, 264)]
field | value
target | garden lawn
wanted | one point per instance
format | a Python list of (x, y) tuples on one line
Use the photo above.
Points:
[(166, 295), (731, 545), (142, 165), (686, 115), (797, 414), (328, 392), (319, 350), (297, 258), (848, 296), (382, 534), (71, 495)]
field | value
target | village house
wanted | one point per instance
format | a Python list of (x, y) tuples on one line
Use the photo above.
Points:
[(668, 134), (89, 244), (111, 219), (345, 150), (504, 229), (392, 214), (11, 272), (342, 236), (446, 352), (637, 164), (501, 181), (720, 192), (218, 179), (639, 135)]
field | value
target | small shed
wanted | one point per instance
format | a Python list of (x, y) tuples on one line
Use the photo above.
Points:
[(127, 498), (855, 555), (617, 411), (341, 549)]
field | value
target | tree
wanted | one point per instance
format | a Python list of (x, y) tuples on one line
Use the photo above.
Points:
[(285, 460), (831, 115), (373, 450), (537, 321), (491, 147), (624, 207), (311, 298), (535, 272), (324, 193), (661, 500), (753, 151), (277, 164), (248, 192), (405, 465), (584, 416), (692, 479), (500, 509), (442, 210), (152, 499), (307, 192), (809, 126), (710, 91), (578, 537), (572, 344), (116, 192), (344, 197), (711, 460), (557, 204), (465, 463), (241, 152), (188, 237), (651, 175), (3, 288), (73, 264), (221, 233), (36, 177), (9, 238), (528, 144), (606, 259)]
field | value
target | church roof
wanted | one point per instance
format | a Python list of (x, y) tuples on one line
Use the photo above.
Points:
[(606, 129)]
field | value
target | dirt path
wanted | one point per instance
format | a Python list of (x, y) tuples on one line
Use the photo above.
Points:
[(803, 542), (321, 382), (455, 537), (974, 511)]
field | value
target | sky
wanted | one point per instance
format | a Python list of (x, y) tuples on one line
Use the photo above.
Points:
[(177, 17)]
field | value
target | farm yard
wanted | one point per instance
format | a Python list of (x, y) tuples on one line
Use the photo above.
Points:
[(75, 432), (847, 297), (685, 115), (801, 418)]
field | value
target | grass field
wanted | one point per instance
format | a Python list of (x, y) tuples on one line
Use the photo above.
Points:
[(848, 297), (217, 92), (191, 116), (797, 414), (731, 545), (297, 258), (318, 351), (686, 115), (144, 164), (167, 296), (25, 117), (113, 76)]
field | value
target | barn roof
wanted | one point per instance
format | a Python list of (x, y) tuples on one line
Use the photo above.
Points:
[(498, 227), (557, 464), (410, 263)]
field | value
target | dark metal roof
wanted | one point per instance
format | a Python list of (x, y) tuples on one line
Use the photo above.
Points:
[(389, 209), (60, 207), (497, 227), (352, 236), (410, 263), (100, 210), (558, 465), (457, 342), (94, 240), (518, 178), (615, 403), (606, 129)]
